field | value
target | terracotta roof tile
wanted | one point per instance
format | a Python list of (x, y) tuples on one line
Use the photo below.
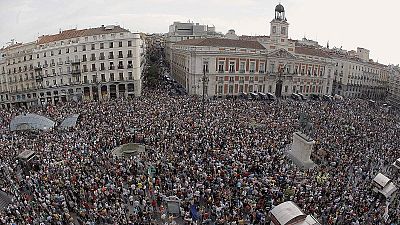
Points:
[(221, 42), (68, 34), (310, 51)]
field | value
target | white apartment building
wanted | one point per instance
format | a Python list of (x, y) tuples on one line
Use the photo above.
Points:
[(357, 76), (185, 31), (394, 86), (89, 64)]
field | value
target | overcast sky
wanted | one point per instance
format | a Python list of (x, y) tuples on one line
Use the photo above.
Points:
[(371, 24)]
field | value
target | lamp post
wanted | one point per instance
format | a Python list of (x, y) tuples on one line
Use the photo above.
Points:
[(204, 79)]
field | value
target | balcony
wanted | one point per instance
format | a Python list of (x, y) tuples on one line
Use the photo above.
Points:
[(85, 70), (221, 71), (111, 68), (120, 56), (77, 61), (232, 71), (111, 57), (102, 68), (84, 59), (101, 57), (93, 70), (129, 56), (261, 72), (92, 58), (120, 67)]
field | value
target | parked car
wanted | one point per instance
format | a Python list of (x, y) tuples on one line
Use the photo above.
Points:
[(296, 97), (315, 97), (303, 97), (263, 96), (271, 96), (243, 95), (254, 96)]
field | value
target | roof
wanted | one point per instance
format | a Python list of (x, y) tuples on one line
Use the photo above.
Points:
[(287, 213), (310, 51), (220, 42), (69, 121), (381, 180), (30, 122), (74, 33)]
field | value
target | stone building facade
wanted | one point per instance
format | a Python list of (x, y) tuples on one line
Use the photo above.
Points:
[(89, 64)]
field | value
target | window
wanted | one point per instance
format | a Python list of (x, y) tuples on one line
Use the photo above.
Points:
[(94, 78), (130, 64), (102, 66), (120, 54), (111, 76), (121, 76), (84, 59), (242, 67), (273, 29), (272, 68), (111, 45), (261, 69), (120, 44), (103, 78), (220, 89), (250, 88), (221, 65), (93, 67), (111, 55), (205, 67), (120, 65), (93, 46), (230, 90), (130, 76), (101, 45), (129, 53), (102, 56), (51, 53), (283, 30), (286, 88), (252, 67), (129, 43), (231, 67), (85, 80), (83, 47), (93, 57), (59, 52)]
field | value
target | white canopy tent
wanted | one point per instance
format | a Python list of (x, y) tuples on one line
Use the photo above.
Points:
[(384, 185), (31, 122)]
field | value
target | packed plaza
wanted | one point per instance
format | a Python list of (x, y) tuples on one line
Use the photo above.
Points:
[(214, 116), (226, 167)]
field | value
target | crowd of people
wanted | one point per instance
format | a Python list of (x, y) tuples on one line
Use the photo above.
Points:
[(226, 167)]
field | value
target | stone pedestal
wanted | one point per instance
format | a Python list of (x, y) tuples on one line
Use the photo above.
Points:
[(300, 150)]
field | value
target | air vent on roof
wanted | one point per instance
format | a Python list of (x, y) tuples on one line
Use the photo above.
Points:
[(110, 27)]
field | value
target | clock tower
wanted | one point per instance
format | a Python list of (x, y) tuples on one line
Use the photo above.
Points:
[(279, 26)]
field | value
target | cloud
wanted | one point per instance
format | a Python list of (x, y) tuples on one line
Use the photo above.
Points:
[(342, 22)]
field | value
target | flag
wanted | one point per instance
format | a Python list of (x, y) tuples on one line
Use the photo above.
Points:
[(194, 213)]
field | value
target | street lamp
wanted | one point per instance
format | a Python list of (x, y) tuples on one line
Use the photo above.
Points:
[(205, 80)]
